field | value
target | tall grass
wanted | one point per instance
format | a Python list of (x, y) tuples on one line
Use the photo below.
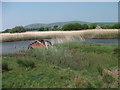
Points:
[(104, 33), (26, 62), (76, 58), (5, 66), (66, 65)]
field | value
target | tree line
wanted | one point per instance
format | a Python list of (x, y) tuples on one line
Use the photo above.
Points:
[(66, 27)]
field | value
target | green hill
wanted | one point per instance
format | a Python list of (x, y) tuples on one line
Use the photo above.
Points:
[(105, 23), (59, 24)]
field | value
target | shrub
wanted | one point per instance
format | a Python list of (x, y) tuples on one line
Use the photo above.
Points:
[(116, 26), (78, 81), (26, 63), (85, 26), (17, 29), (90, 85), (108, 78), (93, 26), (5, 66), (6, 31), (116, 51), (72, 26)]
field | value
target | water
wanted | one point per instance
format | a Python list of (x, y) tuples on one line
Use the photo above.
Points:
[(11, 47)]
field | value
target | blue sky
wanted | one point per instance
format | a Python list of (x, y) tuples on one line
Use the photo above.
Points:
[(24, 13)]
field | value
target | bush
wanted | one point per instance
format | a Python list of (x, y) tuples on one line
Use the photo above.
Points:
[(17, 29), (6, 31), (90, 85), (116, 51), (85, 26), (93, 26), (116, 26), (26, 63), (72, 26), (5, 66)]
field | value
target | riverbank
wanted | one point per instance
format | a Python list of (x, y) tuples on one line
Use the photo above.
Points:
[(65, 65), (93, 33)]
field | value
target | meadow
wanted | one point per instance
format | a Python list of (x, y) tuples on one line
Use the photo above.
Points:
[(65, 65), (92, 33)]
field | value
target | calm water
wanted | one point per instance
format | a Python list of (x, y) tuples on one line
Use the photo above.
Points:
[(11, 47)]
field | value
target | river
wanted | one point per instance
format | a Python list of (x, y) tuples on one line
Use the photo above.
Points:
[(12, 47)]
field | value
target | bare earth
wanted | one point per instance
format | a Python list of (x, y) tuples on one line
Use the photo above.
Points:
[(55, 33)]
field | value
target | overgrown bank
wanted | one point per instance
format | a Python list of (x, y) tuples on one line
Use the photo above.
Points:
[(95, 33), (67, 65)]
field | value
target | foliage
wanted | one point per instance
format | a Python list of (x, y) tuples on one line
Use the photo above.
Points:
[(7, 31), (72, 26), (41, 29), (68, 26), (82, 56), (93, 26), (85, 26), (65, 65), (108, 78), (55, 27), (5, 66), (26, 63), (100, 70), (116, 26), (17, 29)]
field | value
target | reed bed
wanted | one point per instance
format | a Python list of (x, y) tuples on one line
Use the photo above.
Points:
[(94, 33)]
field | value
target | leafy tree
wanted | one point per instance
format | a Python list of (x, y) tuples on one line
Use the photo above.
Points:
[(93, 26), (49, 28), (6, 31), (17, 29), (72, 26), (46, 29), (85, 26), (41, 29), (55, 27), (116, 26)]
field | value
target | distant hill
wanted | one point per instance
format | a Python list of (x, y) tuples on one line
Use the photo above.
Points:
[(106, 23), (59, 24)]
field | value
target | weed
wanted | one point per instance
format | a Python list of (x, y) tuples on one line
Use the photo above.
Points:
[(78, 81), (5, 66), (61, 66), (100, 70), (26, 63), (108, 78), (90, 85)]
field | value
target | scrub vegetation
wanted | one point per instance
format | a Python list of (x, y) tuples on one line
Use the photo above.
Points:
[(65, 65), (65, 27)]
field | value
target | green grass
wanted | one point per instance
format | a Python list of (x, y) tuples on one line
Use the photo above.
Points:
[(66, 65), (26, 62), (103, 35)]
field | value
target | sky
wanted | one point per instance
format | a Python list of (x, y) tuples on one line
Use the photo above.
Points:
[(24, 13)]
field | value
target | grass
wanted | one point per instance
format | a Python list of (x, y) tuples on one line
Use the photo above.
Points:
[(5, 66), (66, 65), (26, 62), (108, 78), (104, 33)]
